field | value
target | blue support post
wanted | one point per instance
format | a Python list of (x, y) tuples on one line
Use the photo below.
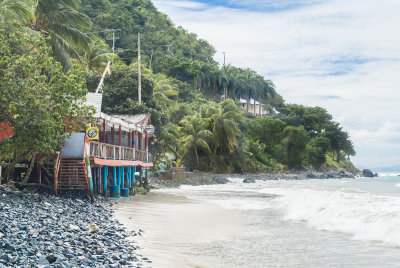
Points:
[(133, 176), (122, 177), (115, 175), (141, 176), (115, 189), (105, 170), (128, 176)]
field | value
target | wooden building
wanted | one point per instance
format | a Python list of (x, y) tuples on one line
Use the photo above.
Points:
[(108, 156)]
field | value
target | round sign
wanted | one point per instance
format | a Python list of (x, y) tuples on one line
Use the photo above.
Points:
[(92, 133), (149, 129)]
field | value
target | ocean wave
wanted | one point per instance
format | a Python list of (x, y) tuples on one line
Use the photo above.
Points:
[(363, 215)]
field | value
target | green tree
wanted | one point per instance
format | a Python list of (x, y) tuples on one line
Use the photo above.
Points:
[(316, 150), (294, 143), (97, 56), (224, 120), (18, 9), (36, 98), (61, 21), (194, 136)]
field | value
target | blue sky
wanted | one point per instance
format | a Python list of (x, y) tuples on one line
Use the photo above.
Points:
[(338, 54), (259, 5)]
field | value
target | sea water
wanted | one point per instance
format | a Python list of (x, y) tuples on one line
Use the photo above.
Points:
[(283, 223)]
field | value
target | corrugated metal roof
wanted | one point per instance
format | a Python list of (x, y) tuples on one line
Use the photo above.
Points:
[(94, 99), (137, 119)]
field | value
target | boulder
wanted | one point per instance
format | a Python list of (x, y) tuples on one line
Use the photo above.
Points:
[(311, 176), (93, 228), (367, 173), (249, 180)]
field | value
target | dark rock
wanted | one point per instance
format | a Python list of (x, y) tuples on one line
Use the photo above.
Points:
[(43, 261), (367, 173), (51, 258), (249, 180), (311, 176)]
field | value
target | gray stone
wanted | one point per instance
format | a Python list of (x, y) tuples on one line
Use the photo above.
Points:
[(249, 180), (367, 173), (93, 228), (73, 227), (51, 258)]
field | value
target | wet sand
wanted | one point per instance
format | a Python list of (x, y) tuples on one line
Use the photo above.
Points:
[(176, 227)]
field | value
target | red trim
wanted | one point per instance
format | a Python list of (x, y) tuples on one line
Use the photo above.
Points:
[(119, 163)]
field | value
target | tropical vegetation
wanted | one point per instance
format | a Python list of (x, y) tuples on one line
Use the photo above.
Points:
[(55, 51)]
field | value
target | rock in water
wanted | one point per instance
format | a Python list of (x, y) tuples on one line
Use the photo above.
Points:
[(367, 173), (311, 176), (249, 180), (93, 228)]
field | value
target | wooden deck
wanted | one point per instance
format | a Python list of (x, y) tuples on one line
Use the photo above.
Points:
[(106, 151)]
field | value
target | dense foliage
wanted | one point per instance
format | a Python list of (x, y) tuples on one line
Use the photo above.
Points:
[(36, 96), (194, 102)]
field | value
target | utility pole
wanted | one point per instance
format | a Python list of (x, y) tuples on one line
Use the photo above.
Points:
[(139, 74), (224, 56), (113, 37)]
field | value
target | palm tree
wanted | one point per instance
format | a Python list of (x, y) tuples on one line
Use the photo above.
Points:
[(18, 9), (64, 24), (248, 77), (194, 135), (224, 125), (170, 139), (267, 90), (97, 56), (163, 90)]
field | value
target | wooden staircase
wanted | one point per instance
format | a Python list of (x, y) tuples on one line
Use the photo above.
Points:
[(72, 174)]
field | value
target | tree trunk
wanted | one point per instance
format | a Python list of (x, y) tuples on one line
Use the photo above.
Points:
[(28, 173), (197, 158), (213, 156), (248, 98), (11, 167), (254, 108), (259, 106)]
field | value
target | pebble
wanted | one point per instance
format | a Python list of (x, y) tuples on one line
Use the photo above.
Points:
[(42, 230)]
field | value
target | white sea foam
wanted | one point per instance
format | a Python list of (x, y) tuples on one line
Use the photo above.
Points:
[(364, 215)]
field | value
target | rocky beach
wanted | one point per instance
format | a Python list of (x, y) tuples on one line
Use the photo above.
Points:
[(204, 178), (38, 229)]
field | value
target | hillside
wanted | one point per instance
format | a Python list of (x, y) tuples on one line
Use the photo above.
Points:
[(206, 115)]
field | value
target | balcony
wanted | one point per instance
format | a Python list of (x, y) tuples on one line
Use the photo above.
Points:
[(115, 152)]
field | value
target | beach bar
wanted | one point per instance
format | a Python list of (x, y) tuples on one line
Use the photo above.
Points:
[(107, 157)]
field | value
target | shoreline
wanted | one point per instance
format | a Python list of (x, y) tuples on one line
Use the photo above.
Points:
[(38, 229), (174, 226), (208, 178)]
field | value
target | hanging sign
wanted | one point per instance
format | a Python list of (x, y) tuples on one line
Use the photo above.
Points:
[(92, 133), (149, 129)]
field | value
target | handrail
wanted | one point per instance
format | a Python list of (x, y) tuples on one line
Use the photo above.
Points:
[(106, 151)]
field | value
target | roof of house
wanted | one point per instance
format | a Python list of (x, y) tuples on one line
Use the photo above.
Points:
[(137, 119)]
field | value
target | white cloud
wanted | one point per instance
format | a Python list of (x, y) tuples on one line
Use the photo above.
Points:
[(298, 48)]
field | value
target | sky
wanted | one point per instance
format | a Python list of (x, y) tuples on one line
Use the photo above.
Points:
[(342, 55)]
